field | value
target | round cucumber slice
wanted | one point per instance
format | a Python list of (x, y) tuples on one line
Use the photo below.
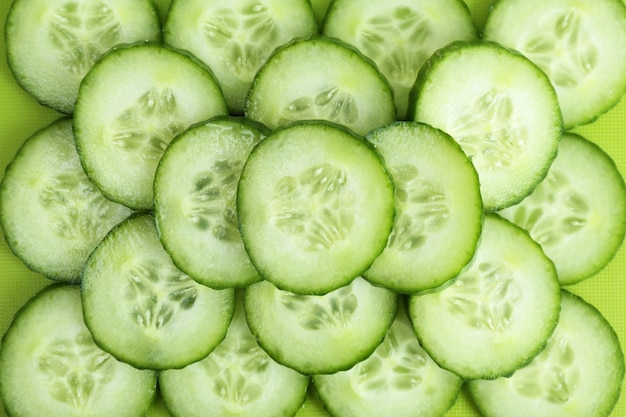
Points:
[(578, 212), (399, 379), (579, 373), (143, 310), (195, 190), (237, 378), (498, 314), (320, 334), (500, 107), (52, 44), (235, 38), (399, 35), (52, 367), (130, 106), (437, 194), (320, 78), (52, 216), (578, 44), (315, 207)]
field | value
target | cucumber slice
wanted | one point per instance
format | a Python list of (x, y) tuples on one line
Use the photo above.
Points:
[(498, 314), (579, 373), (235, 38), (320, 334), (399, 379), (195, 193), (578, 213), (324, 79), (501, 109), (578, 44), (52, 216), (315, 207), (143, 310), (399, 35), (52, 44), (437, 195), (237, 379), (130, 106), (50, 366)]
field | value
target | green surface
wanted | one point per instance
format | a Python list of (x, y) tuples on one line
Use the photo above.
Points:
[(20, 116)]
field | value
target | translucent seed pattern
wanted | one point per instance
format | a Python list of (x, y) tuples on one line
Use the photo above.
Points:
[(395, 41), (156, 292), (562, 48), (485, 296), (75, 370), (541, 213), (552, 375), (235, 368), (487, 133), (211, 204), (330, 311), (81, 31), (420, 209), (332, 105), (245, 35), (75, 208), (397, 364), (147, 127), (315, 207)]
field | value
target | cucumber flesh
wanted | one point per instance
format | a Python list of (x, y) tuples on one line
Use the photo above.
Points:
[(498, 314), (579, 373), (52, 367)]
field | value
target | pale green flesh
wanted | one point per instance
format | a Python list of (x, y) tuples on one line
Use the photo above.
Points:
[(51, 45), (399, 35), (498, 313), (195, 201), (146, 303), (399, 379), (582, 200), (235, 39), (51, 365), (319, 78), (503, 112), (236, 377), (315, 207), (320, 333), (52, 215), (578, 374), (122, 131), (578, 46), (436, 194)]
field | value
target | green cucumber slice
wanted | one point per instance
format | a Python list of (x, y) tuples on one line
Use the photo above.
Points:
[(502, 110), (320, 78), (399, 379), (130, 106), (235, 38), (578, 44), (237, 378), (195, 193), (399, 35), (579, 374), (315, 207), (498, 314), (52, 216), (50, 365), (578, 213), (143, 310), (437, 194), (320, 334), (52, 44)]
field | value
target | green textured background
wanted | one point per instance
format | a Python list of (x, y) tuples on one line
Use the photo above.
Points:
[(21, 115)]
